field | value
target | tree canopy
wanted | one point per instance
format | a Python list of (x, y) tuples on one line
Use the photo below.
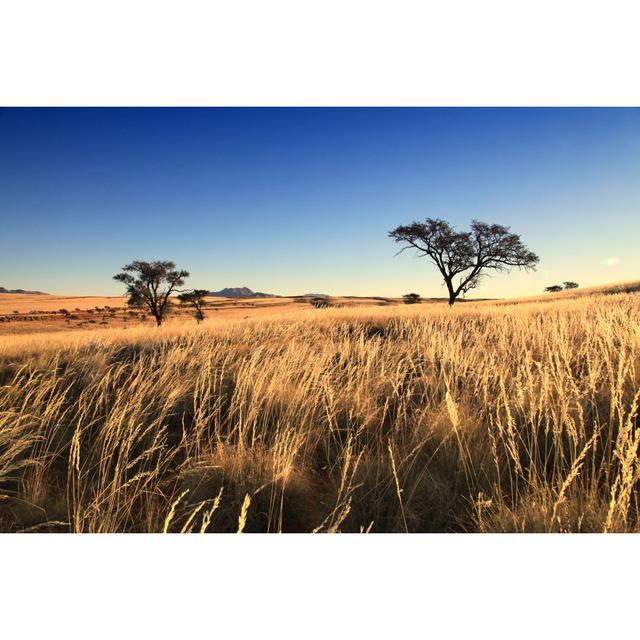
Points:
[(464, 257), (196, 299), (149, 284)]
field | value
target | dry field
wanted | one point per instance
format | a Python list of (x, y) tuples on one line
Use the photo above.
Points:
[(27, 314), (483, 417)]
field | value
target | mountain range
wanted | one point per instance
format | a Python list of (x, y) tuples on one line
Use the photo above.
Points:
[(39, 293), (240, 292)]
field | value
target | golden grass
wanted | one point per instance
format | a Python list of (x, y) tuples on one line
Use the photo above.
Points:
[(483, 417)]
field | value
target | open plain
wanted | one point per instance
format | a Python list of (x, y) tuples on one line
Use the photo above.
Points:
[(28, 314)]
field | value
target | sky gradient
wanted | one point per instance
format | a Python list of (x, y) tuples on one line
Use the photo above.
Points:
[(300, 200)]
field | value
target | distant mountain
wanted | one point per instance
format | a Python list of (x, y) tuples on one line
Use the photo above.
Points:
[(38, 293), (240, 292), (315, 295)]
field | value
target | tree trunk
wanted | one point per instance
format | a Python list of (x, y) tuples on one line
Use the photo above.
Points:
[(158, 320), (452, 293)]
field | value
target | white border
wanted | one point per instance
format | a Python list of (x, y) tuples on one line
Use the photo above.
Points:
[(329, 52), (319, 586)]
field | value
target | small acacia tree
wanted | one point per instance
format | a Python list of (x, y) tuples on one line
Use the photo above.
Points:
[(570, 285), (554, 288), (195, 299), (464, 257), (149, 285), (411, 298)]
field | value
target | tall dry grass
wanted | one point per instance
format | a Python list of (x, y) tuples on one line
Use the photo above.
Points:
[(478, 418)]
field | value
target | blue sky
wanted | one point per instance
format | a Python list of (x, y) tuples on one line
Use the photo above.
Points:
[(300, 200)]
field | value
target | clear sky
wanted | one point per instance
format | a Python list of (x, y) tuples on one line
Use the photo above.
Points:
[(300, 200)]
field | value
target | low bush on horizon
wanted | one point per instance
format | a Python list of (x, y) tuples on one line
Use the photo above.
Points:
[(320, 303), (418, 418)]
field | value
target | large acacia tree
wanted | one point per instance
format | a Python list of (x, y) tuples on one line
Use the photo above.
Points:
[(149, 285), (464, 257)]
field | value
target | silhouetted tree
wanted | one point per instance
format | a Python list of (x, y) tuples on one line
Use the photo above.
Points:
[(411, 298), (465, 255), (554, 288), (149, 285), (195, 299), (570, 285)]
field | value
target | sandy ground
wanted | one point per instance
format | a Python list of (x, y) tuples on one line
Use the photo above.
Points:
[(26, 313), (27, 303)]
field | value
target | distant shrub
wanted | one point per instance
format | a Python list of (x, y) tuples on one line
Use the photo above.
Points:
[(570, 285), (411, 298), (554, 288), (319, 303)]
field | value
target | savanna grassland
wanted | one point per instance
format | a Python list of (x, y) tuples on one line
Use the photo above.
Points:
[(484, 417), (43, 313), (26, 314)]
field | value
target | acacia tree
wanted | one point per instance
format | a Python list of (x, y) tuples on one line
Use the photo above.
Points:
[(570, 284), (196, 299), (149, 285), (554, 288), (464, 257)]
